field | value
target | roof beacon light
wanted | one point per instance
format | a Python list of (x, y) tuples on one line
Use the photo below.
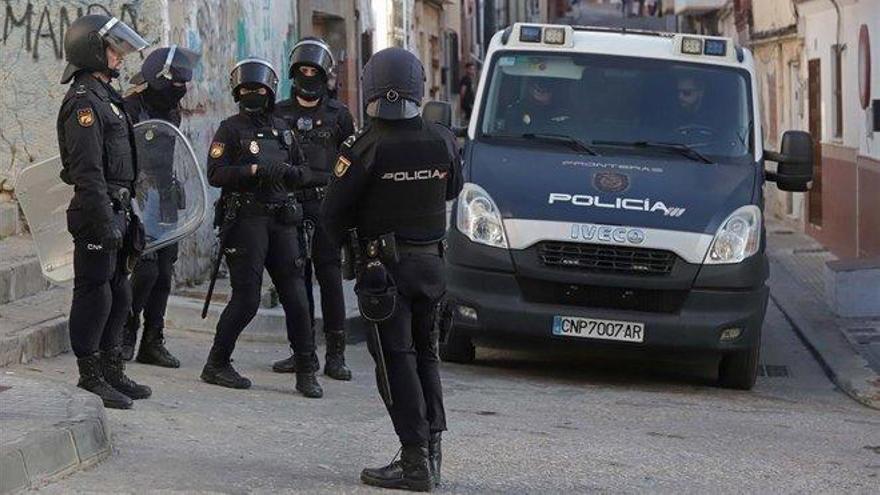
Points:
[(554, 35), (692, 46), (717, 48), (530, 34)]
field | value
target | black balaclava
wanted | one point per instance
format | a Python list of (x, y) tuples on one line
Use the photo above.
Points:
[(254, 102), (166, 99), (309, 88)]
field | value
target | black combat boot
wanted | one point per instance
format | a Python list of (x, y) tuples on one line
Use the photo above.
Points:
[(306, 382), (435, 456), (288, 365), (334, 362), (219, 371), (153, 351), (91, 379), (114, 374), (130, 336), (411, 472)]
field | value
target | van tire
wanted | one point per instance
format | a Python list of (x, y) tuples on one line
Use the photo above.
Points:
[(739, 370), (457, 348)]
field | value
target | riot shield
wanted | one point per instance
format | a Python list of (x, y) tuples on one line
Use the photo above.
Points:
[(171, 191), (44, 199), (171, 197)]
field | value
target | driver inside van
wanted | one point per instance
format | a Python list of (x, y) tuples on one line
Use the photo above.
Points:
[(543, 109)]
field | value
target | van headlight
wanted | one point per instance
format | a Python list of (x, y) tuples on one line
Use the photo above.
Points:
[(478, 217), (738, 237)]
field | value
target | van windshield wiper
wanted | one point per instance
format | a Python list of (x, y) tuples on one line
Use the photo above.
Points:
[(682, 149), (573, 143)]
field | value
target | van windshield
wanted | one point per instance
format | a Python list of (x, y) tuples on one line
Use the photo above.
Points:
[(601, 99)]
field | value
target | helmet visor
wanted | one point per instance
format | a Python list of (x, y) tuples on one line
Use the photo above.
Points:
[(123, 39), (314, 53), (179, 64), (254, 71)]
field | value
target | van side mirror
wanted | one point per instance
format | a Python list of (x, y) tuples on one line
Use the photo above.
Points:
[(439, 112), (795, 162)]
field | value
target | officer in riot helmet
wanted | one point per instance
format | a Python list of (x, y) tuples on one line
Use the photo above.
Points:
[(322, 123), (164, 76), (95, 139), (387, 205), (256, 160)]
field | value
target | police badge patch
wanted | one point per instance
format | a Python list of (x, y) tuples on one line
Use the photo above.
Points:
[(85, 117), (217, 149), (341, 167)]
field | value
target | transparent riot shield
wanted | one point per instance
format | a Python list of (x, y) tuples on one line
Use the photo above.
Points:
[(171, 191), (44, 199), (171, 197)]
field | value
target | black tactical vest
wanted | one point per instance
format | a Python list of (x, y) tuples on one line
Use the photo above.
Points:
[(263, 146), (318, 131), (119, 154), (406, 193)]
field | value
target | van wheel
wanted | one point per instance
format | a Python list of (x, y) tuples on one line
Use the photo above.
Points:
[(739, 370), (457, 348)]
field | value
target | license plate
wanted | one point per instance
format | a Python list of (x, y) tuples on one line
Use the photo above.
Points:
[(590, 328)]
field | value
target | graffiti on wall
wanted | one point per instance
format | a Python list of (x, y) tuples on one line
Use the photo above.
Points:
[(40, 28)]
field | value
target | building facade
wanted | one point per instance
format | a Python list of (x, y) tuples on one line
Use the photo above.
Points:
[(842, 58)]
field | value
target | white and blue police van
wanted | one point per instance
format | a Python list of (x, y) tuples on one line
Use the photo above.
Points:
[(614, 196)]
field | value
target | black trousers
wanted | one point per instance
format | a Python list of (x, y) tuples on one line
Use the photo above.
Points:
[(326, 266), (256, 242), (410, 344), (151, 285), (101, 289)]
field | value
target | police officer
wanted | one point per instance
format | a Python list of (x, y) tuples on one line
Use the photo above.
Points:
[(322, 123), (166, 72), (95, 139), (391, 183), (255, 160)]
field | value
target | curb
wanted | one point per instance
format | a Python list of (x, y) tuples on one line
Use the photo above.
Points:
[(44, 455), (268, 325), (846, 368), (42, 340)]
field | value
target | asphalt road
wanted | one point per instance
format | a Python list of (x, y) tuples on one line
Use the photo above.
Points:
[(520, 422)]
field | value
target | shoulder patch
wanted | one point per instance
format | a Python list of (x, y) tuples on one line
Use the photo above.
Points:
[(350, 140), (341, 167), (85, 117), (217, 149)]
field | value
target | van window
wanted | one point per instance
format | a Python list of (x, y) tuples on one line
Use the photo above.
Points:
[(612, 98)]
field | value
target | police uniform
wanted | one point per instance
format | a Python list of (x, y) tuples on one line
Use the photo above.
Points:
[(321, 130), (98, 157), (265, 231), (396, 177), (151, 279)]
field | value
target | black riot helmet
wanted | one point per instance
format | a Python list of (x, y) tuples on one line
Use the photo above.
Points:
[(311, 52), (86, 42), (167, 65), (254, 72), (394, 84)]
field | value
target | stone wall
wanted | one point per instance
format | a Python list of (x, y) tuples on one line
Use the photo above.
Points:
[(31, 54)]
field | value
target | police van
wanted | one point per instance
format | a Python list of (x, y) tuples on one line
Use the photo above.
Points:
[(614, 196)]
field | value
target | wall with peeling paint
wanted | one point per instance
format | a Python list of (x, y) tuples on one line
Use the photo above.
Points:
[(31, 55)]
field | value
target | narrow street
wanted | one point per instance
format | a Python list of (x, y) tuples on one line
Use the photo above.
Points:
[(520, 422)]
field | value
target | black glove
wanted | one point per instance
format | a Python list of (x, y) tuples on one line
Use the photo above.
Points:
[(113, 239), (297, 176), (273, 172)]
